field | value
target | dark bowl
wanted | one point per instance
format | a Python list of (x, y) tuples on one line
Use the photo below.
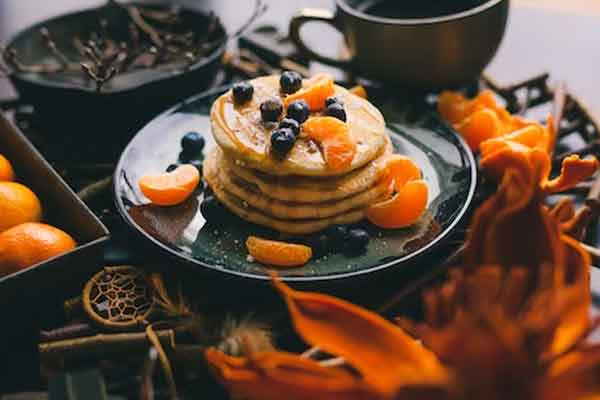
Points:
[(98, 124)]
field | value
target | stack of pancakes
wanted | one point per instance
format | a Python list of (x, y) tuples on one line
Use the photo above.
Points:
[(297, 194)]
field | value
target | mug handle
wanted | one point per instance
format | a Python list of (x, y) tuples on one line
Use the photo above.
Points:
[(315, 14)]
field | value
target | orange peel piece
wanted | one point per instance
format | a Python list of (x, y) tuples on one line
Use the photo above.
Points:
[(170, 188), (333, 136), (276, 253), (316, 91)]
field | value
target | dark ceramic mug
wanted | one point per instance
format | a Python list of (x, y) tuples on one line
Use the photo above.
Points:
[(424, 53)]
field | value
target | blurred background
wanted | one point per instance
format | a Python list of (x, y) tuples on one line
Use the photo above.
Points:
[(556, 36)]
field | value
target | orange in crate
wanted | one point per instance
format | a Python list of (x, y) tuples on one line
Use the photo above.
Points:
[(18, 204), (335, 140), (281, 254), (6, 170), (27, 244), (170, 188)]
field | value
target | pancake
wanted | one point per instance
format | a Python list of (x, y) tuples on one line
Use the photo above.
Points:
[(240, 132), (308, 189), (289, 210), (296, 227)]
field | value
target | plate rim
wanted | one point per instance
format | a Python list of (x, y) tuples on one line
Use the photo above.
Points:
[(473, 173)]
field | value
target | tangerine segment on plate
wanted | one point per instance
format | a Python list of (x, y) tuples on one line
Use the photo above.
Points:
[(27, 244), (6, 170), (401, 170), (18, 204), (276, 253), (170, 188), (403, 209), (317, 90), (334, 138)]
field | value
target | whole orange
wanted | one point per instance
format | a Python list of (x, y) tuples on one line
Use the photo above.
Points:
[(6, 170), (18, 204), (27, 244)]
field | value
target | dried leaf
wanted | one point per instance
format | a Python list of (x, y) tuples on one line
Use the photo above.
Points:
[(386, 357)]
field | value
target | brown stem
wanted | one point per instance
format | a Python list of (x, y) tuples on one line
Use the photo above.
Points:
[(101, 346)]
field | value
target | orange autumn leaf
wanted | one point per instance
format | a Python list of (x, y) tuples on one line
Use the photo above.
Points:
[(388, 361), (280, 375), (573, 171)]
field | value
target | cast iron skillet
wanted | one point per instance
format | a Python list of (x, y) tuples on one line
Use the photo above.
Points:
[(86, 122), (217, 251)]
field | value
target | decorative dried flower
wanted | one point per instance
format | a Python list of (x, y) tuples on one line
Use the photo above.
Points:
[(510, 323)]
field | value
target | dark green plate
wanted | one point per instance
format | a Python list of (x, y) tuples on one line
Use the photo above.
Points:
[(446, 162)]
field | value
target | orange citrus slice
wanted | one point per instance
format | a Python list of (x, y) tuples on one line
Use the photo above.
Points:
[(410, 200), (403, 209), (276, 253), (334, 138), (170, 188), (317, 90)]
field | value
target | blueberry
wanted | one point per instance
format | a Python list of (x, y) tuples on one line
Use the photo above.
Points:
[(336, 110), (320, 244), (192, 143), (290, 82), (332, 100), (357, 241), (270, 110), (282, 141), (172, 167), (337, 235), (298, 110), (290, 124), (242, 92), (212, 210)]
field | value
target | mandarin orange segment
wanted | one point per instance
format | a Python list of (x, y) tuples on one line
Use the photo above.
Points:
[(6, 170), (27, 244), (170, 188), (18, 204), (403, 209), (401, 169), (480, 126), (317, 90), (334, 138), (276, 253), (452, 106)]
